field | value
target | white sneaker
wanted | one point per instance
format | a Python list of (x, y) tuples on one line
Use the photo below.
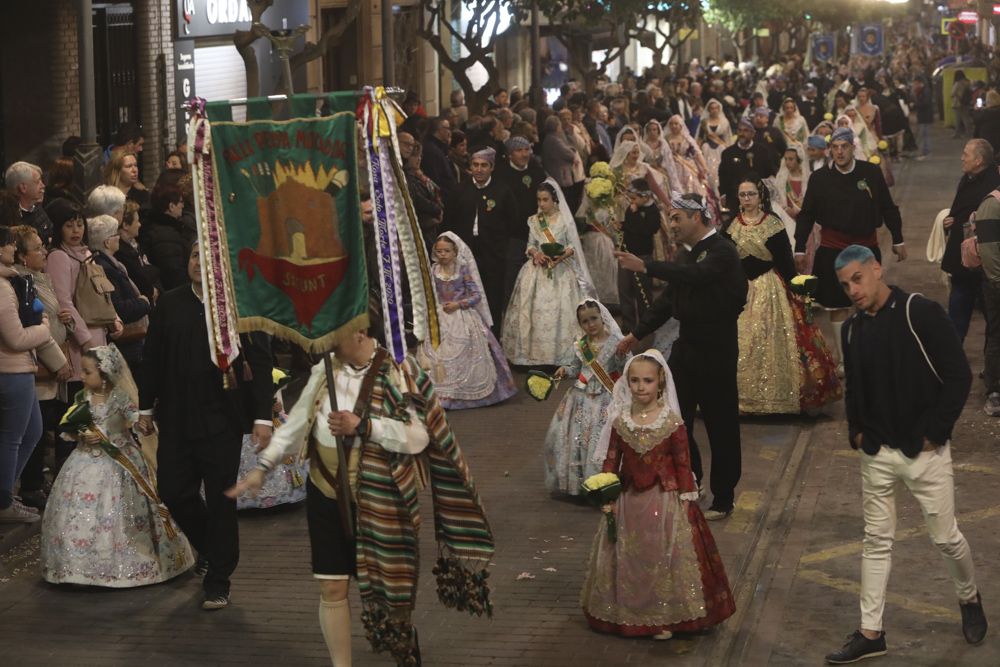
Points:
[(992, 407), (17, 501), (18, 513)]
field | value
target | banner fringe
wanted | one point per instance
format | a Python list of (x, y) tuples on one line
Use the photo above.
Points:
[(320, 345)]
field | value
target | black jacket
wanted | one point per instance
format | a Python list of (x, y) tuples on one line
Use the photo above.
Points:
[(987, 124), (436, 166), (523, 185), (145, 276), (927, 406), (970, 193), (167, 242), (737, 162), (183, 384), (128, 305), (706, 291)]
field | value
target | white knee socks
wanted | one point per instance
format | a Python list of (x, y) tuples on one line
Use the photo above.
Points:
[(335, 622)]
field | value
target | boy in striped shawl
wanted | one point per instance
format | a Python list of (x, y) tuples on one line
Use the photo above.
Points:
[(397, 440)]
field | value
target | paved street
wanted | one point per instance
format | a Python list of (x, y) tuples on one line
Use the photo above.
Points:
[(792, 550)]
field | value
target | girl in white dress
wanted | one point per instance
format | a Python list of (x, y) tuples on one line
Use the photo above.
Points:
[(104, 524), (715, 135), (540, 323), (574, 432), (469, 367)]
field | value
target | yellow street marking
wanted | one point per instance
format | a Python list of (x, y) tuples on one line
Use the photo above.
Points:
[(849, 548), (768, 453), (849, 586), (972, 467), (744, 510), (964, 467)]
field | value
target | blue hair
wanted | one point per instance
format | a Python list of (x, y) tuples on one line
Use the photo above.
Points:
[(853, 253)]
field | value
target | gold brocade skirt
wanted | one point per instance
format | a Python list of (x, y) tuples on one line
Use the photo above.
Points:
[(769, 372)]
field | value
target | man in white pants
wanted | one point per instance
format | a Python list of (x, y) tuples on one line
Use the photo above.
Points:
[(907, 380)]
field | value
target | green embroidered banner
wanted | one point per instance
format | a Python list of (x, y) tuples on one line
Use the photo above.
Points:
[(286, 195)]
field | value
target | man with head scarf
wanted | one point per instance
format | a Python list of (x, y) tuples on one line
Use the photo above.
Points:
[(810, 106), (480, 213), (816, 152), (850, 200), (767, 135), (745, 156), (521, 172), (706, 292)]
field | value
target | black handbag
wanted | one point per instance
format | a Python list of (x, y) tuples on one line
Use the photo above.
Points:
[(29, 307)]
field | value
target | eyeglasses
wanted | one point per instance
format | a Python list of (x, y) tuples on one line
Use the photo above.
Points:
[(748, 195)]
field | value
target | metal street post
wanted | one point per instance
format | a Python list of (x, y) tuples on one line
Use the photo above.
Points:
[(388, 48), (87, 159)]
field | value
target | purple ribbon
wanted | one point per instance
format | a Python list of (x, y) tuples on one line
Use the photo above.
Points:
[(390, 293)]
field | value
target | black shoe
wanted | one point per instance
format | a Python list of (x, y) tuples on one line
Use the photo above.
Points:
[(973, 620), (200, 568), (214, 602), (858, 647)]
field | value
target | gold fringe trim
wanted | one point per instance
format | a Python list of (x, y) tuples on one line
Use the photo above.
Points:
[(319, 345)]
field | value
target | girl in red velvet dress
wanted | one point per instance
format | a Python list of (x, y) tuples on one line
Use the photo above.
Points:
[(664, 573)]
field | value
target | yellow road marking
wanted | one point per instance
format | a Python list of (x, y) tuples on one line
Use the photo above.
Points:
[(849, 586), (849, 548), (964, 467), (744, 511), (768, 453)]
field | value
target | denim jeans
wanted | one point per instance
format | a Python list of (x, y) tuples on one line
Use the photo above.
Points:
[(965, 289), (924, 138), (991, 304), (20, 428)]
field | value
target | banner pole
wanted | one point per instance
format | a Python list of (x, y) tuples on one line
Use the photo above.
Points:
[(343, 475)]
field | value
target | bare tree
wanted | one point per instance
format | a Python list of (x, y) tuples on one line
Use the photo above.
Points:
[(476, 43), (243, 41)]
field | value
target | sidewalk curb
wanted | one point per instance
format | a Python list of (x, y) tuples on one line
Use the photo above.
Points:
[(773, 527)]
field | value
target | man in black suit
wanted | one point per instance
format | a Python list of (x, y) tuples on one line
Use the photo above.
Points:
[(743, 157), (522, 174), (202, 418), (706, 292), (480, 214)]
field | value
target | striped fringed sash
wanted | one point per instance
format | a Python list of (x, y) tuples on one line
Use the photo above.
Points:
[(388, 519)]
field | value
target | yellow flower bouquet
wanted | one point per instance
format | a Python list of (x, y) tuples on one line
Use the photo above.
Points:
[(604, 488), (600, 191), (601, 170), (806, 286), (539, 385)]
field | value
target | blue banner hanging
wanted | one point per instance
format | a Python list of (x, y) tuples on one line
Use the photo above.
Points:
[(823, 47), (870, 41)]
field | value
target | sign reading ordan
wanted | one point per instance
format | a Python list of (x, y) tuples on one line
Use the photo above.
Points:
[(289, 197)]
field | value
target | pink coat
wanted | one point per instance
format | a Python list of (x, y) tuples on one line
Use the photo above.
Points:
[(17, 342), (63, 269)]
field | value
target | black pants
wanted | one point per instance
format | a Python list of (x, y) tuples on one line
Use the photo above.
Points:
[(704, 370), (183, 464), (515, 260), (492, 263)]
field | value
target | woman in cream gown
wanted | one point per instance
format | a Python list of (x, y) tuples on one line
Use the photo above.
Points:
[(540, 323)]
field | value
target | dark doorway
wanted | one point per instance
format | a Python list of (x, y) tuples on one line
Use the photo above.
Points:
[(115, 77), (340, 64)]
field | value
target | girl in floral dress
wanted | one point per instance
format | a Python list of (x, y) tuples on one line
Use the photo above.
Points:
[(468, 366), (575, 429), (104, 524), (663, 573), (286, 484)]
